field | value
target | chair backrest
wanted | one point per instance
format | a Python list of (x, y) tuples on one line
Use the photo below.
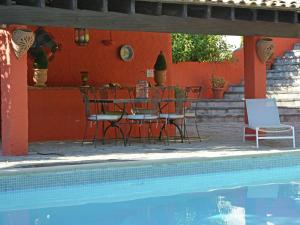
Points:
[(180, 95), (194, 92), (87, 94), (262, 112)]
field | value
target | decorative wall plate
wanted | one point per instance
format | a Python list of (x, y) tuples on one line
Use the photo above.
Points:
[(22, 40), (126, 53)]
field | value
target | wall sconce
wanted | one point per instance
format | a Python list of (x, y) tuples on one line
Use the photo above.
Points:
[(81, 36), (109, 41)]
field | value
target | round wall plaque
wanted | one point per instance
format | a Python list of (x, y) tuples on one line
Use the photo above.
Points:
[(126, 53)]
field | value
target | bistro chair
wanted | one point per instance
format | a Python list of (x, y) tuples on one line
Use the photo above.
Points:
[(145, 111), (192, 93), (95, 112), (175, 101)]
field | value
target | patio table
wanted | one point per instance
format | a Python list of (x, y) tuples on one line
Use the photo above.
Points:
[(124, 102)]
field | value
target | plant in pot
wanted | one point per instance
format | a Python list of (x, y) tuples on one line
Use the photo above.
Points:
[(160, 70), (40, 67), (218, 86)]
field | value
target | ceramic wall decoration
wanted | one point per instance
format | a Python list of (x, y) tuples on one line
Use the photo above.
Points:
[(126, 53), (22, 40), (264, 49)]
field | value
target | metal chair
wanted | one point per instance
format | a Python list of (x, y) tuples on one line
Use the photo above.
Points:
[(192, 92), (144, 111), (175, 111), (95, 114)]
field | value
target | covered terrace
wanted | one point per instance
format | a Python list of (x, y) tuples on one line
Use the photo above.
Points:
[(251, 19)]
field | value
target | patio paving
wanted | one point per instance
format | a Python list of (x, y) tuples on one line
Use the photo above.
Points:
[(219, 140)]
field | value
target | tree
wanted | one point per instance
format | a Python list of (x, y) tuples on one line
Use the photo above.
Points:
[(201, 48)]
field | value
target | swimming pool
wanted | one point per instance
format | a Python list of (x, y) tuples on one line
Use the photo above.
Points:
[(237, 191)]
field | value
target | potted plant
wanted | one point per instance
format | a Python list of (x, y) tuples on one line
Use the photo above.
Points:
[(40, 67), (160, 69), (218, 86)]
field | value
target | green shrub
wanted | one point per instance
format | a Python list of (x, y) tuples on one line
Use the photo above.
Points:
[(160, 63), (40, 59), (199, 48)]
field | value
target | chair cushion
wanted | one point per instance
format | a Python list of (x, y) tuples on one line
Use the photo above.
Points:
[(103, 117), (171, 116), (141, 117)]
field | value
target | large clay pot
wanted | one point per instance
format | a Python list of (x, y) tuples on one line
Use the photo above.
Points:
[(218, 92), (264, 49), (40, 77), (160, 77)]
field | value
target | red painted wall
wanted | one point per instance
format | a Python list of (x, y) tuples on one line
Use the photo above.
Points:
[(199, 73), (103, 62)]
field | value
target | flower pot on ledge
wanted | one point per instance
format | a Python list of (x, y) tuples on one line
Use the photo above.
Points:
[(218, 92)]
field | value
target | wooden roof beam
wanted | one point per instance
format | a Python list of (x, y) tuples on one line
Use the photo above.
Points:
[(94, 5), (47, 16), (148, 8), (38, 3), (64, 4), (122, 6)]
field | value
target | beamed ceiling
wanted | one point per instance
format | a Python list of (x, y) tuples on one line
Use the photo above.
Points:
[(232, 17)]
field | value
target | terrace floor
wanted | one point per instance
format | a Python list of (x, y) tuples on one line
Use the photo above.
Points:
[(219, 140)]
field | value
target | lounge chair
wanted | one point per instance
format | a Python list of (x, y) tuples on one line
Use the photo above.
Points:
[(263, 117)]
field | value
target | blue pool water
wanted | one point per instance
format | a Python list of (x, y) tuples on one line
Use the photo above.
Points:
[(269, 196)]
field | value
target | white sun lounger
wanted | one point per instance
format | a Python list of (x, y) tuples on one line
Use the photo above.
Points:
[(263, 117)]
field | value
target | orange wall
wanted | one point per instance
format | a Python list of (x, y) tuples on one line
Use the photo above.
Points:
[(103, 62), (55, 114), (199, 73)]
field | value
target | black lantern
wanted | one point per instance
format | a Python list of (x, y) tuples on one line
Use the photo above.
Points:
[(81, 36)]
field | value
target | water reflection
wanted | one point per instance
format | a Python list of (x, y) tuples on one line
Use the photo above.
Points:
[(254, 205)]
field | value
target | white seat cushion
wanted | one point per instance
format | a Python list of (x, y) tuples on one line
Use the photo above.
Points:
[(171, 116), (103, 117), (142, 117)]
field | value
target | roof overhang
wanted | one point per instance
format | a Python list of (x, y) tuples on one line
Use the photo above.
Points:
[(134, 15)]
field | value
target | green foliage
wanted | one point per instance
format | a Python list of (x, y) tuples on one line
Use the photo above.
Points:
[(160, 63), (202, 48), (40, 59)]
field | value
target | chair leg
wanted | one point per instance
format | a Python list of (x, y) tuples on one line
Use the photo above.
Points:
[(197, 129), (178, 128), (122, 133), (244, 133), (257, 139), (95, 135), (185, 132), (294, 141), (129, 132), (85, 131)]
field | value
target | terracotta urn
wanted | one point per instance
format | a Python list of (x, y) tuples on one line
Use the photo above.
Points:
[(218, 92), (22, 40), (40, 77), (264, 49), (160, 77)]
